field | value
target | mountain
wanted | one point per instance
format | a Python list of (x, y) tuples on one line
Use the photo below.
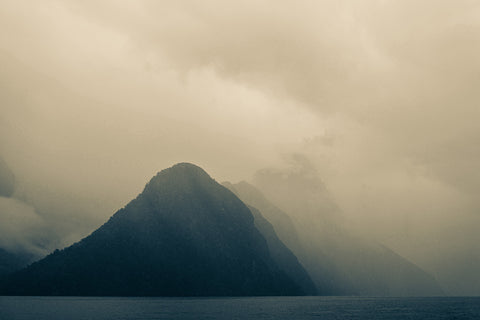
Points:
[(338, 261), (184, 235), (10, 261), (281, 222), (281, 253), (321, 270), (325, 280)]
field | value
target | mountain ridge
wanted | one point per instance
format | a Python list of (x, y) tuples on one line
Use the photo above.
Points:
[(340, 263), (183, 235)]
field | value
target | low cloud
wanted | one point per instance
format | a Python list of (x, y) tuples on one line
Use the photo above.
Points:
[(380, 96), (21, 228)]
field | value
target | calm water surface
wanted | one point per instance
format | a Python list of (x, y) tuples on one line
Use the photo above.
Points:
[(325, 308)]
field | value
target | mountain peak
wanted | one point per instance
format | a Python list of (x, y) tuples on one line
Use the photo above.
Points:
[(183, 168), (184, 235), (182, 175)]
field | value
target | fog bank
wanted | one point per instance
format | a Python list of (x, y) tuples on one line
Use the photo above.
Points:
[(380, 98)]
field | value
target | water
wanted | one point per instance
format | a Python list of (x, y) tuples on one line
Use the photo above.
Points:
[(325, 308)]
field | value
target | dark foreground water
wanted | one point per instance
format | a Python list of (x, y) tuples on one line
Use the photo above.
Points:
[(325, 308)]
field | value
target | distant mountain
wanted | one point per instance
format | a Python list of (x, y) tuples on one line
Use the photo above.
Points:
[(281, 222), (184, 235), (7, 180), (339, 262), (322, 272), (281, 253), (11, 261)]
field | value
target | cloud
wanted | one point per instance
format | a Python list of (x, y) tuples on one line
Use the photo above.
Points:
[(386, 65), (21, 228), (380, 96)]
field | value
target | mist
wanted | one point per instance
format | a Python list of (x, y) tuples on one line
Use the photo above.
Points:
[(376, 101)]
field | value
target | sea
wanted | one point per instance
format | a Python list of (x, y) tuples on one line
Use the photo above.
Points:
[(325, 308)]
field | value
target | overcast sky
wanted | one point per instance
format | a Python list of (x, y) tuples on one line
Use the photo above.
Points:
[(382, 97)]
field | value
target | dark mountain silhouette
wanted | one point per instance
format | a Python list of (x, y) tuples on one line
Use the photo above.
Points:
[(339, 262), (184, 235), (7, 180)]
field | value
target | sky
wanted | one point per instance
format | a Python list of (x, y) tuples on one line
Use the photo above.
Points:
[(380, 96)]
